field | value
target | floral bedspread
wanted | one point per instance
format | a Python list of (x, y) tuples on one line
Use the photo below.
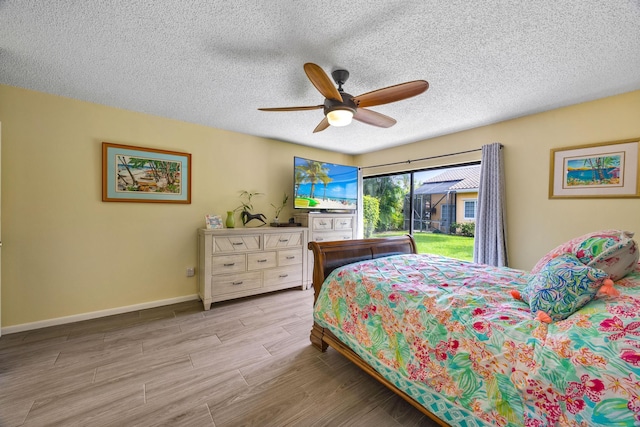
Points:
[(450, 335)]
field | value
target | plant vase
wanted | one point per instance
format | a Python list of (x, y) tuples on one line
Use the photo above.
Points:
[(231, 221)]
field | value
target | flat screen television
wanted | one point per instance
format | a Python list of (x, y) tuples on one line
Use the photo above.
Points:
[(324, 186)]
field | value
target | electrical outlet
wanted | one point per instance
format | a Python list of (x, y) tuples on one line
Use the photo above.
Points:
[(191, 271)]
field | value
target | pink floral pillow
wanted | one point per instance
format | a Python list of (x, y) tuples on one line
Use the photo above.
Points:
[(613, 251), (618, 259)]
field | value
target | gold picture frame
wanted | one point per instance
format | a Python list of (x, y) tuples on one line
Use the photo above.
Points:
[(146, 175), (602, 170)]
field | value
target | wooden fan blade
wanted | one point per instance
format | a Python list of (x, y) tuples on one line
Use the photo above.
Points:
[(373, 118), (310, 107), (321, 81), (391, 93), (322, 125)]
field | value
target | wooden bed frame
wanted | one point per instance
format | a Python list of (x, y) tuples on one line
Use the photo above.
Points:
[(330, 255)]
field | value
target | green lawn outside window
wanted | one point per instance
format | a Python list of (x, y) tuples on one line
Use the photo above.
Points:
[(452, 246)]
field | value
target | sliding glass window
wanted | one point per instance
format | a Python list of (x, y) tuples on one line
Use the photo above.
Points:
[(437, 206)]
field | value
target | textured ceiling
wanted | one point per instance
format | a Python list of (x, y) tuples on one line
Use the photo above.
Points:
[(215, 62)]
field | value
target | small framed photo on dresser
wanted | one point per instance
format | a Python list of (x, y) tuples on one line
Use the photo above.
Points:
[(213, 222)]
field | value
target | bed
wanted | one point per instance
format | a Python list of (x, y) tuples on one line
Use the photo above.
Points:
[(449, 337)]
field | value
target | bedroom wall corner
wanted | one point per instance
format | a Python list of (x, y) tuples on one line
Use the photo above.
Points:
[(535, 223)]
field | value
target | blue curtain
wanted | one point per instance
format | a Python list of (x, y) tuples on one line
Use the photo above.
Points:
[(490, 245)]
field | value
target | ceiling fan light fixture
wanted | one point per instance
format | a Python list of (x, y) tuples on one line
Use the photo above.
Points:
[(340, 117), (340, 107)]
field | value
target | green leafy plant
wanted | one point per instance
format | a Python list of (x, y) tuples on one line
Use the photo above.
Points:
[(278, 209), (390, 192), (245, 201), (371, 214), (467, 229)]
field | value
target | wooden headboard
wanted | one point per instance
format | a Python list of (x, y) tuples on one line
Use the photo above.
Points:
[(327, 256)]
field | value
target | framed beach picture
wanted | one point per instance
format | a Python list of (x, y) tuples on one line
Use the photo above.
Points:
[(213, 222), (137, 174), (608, 169)]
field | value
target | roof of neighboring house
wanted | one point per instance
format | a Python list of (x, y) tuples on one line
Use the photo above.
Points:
[(456, 179), (435, 187)]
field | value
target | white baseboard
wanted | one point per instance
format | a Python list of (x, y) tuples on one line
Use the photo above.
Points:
[(95, 314)]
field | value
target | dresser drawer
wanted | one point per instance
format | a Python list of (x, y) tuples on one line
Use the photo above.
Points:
[(290, 257), (223, 264), (329, 237), (281, 276), (322, 224), (343, 223), (261, 260), (282, 240), (236, 243), (222, 285)]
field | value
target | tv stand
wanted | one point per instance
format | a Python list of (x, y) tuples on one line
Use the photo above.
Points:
[(325, 227)]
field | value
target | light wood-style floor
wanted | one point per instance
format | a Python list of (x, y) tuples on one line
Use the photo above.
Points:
[(246, 362)]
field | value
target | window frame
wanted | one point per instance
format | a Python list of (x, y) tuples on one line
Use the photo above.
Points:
[(475, 209), (411, 174)]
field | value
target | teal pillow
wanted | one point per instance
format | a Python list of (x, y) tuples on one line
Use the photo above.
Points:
[(562, 286)]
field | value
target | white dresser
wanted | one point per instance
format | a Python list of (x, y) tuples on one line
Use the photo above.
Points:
[(238, 262), (324, 227)]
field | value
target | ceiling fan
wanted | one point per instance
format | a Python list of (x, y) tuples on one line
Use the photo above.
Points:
[(340, 107)]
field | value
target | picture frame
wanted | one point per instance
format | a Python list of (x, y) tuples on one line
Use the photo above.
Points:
[(213, 222), (602, 170), (145, 175)]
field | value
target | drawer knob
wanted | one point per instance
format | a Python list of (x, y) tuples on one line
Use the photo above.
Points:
[(291, 257), (231, 264), (262, 260), (283, 240), (237, 283), (284, 275), (237, 243), (319, 239)]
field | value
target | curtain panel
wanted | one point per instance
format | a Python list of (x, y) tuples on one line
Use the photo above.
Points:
[(490, 246)]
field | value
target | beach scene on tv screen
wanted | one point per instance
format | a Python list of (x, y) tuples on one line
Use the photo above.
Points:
[(320, 185)]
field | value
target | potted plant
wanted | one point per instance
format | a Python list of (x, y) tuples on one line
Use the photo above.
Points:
[(246, 207), (278, 209)]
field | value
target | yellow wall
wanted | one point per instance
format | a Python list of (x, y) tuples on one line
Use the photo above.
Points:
[(535, 223), (65, 252)]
